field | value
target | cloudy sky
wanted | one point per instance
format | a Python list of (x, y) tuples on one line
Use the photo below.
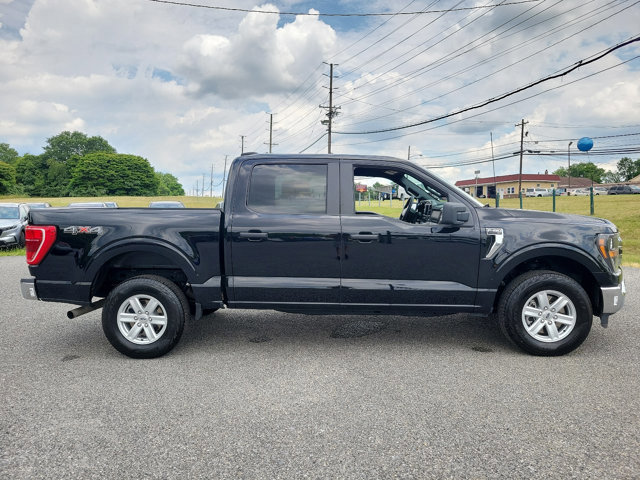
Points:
[(180, 85)]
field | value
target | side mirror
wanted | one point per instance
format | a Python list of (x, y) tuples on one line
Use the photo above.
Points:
[(454, 214)]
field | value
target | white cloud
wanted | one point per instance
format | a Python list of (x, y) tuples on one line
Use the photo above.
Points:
[(180, 85), (260, 58)]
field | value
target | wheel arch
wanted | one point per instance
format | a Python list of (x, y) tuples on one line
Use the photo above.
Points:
[(139, 257), (561, 259)]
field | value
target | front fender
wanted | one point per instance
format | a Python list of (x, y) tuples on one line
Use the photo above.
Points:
[(494, 272)]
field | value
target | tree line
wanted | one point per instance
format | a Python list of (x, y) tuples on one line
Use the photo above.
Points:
[(76, 165), (625, 171)]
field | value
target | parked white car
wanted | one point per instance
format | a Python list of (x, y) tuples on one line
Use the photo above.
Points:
[(580, 191), (538, 192)]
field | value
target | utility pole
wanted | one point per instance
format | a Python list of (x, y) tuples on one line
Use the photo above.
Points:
[(270, 133), (224, 173), (330, 105), (202, 193), (332, 111), (242, 137), (522, 124), (409, 153), (569, 169), (211, 182), (495, 184)]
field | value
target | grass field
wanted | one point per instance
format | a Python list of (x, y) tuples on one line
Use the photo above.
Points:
[(190, 202), (623, 210)]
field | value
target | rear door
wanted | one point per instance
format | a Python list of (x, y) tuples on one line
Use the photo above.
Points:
[(284, 234)]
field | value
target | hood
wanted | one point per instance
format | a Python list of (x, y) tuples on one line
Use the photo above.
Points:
[(8, 222), (537, 216)]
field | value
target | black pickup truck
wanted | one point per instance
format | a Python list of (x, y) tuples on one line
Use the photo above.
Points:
[(293, 235)]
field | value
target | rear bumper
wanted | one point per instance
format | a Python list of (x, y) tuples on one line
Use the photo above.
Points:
[(613, 298), (28, 289), (56, 291)]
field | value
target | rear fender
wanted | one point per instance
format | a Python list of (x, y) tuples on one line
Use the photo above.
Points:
[(128, 246)]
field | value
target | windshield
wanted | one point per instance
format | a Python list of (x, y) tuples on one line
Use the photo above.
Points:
[(426, 191), (9, 212), (457, 189)]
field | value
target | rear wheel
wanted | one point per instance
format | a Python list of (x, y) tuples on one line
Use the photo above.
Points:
[(545, 313), (144, 317)]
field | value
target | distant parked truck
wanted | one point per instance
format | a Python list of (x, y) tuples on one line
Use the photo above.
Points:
[(624, 190)]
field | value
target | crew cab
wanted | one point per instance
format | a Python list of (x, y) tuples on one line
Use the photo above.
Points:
[(291, 235)]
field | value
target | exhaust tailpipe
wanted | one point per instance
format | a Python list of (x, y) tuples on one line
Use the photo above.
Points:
[(76, 312)]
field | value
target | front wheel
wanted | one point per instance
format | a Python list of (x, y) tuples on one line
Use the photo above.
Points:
[(545, 313), (144, 316)]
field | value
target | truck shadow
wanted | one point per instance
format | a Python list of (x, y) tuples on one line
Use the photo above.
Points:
[(260, 329)]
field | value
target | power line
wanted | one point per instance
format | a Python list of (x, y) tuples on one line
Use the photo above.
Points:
[(370, 32), (447, 58), (596, 152), (493, 109), (464, 70), (579, 64), (399, 27), (362, 14), (444, 59), (526, 151), (559, 125), (319, 138), (455, 24)]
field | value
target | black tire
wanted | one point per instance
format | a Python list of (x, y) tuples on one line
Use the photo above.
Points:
[(172, 310), (520, 293), (21, 241)]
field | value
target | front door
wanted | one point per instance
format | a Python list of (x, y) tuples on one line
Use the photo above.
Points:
[(410, 264)]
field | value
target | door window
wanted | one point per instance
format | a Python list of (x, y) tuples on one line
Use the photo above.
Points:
[(396, 194), (288, 188)]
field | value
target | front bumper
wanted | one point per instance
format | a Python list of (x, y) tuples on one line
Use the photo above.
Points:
[(10, 237), (613, 298)]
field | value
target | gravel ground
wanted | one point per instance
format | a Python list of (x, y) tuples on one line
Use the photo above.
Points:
[(255, 395)]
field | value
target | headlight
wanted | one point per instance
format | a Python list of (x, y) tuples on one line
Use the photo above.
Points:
[(11, 227), (610, 247)]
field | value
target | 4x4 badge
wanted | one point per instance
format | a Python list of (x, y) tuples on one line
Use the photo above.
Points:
[(84, 230)]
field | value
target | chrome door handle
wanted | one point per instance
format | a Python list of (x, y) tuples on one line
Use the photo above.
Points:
[(254, 235), (365, 237)]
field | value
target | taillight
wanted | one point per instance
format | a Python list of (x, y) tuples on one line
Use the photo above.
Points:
[(39, 240)]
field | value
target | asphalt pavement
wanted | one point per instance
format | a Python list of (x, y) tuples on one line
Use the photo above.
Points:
[(268, 395)]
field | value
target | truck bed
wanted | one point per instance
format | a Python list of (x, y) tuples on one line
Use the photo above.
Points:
[(97, 248)]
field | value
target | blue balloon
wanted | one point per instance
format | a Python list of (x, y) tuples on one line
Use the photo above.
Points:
[(585, 144)]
